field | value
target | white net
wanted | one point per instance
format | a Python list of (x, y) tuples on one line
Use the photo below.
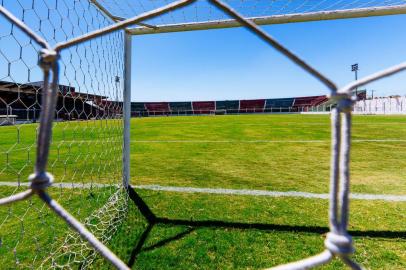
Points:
[(104, 222), (87, 141), (81, 105), (203, 12)]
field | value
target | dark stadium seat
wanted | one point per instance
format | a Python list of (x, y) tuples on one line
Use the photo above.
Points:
[(137, 106), (279, 105), (180, 107), (252, 105), (203, 107), (231, 106), (138, 109)]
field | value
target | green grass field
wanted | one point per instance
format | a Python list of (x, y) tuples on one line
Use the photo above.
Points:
[(208, 231)]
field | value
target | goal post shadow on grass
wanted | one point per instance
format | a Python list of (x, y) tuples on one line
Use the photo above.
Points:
[(193, 224), (338, 242)]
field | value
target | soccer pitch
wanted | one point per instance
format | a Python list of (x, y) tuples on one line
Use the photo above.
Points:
[(204, 230)]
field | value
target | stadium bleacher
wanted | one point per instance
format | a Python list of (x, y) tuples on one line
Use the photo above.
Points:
[(157, 108), (279, 105), (297, 104), (252, 105), (203, 107), (24, 101), (138, 106), (181, 107), (138, 109), (304, 103), (228, 105)]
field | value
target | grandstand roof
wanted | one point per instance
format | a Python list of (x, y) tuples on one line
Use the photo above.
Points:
[(33, 87)]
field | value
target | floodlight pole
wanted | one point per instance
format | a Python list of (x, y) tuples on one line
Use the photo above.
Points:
[(127, 109), (354, 68)]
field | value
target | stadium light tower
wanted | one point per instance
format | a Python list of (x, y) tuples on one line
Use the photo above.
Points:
[(354, 68)]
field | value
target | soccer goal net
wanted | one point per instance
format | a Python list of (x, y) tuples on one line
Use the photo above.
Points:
[(65, 107)]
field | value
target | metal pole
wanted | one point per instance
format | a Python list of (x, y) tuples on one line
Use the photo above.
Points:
[(127, 109), (354, 68), (273, 19), (356, 89)]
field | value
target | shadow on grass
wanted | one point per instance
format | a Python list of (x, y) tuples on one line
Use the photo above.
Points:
[(194, 224), (137, 249)]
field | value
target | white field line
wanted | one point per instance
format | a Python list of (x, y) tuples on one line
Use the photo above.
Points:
[(250, 192), (224, 191), (271, 124), (240, 141), (264, 141)]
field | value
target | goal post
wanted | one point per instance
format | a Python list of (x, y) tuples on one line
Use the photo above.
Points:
[(127, 109)]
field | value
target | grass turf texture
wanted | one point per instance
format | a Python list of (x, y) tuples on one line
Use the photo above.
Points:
[(223, 152), (376, 167)]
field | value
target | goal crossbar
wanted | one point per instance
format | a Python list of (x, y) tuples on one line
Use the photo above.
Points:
[(274, 19)]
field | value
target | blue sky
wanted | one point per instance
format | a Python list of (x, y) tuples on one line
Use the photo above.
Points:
[(235, 64), (229, 63)]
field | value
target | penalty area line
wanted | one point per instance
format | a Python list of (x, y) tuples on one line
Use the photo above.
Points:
[(265, 141), (236, 141), (223, 191), (250, 192)]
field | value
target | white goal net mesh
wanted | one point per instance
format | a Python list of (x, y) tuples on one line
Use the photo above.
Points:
[(87, 143), (264, 12), (76, 93)]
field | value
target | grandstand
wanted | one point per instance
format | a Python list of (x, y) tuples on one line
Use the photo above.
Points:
[(276, 105), (252, 106), (181, 107), (305, 103), (203, 107), (231, 106), (23, 101), (138, 109), (279, 104), (158, 108)]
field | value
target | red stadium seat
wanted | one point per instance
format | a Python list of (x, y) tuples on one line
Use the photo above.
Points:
[(303, 103), (157, 108), (253, 105), (203, 107)]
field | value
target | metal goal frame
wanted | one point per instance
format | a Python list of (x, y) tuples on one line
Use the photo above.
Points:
[(338, 242)]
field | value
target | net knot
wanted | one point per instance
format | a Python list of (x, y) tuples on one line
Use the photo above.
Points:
[(47, 57), (344, 102), (40, 181), (339, 244)]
